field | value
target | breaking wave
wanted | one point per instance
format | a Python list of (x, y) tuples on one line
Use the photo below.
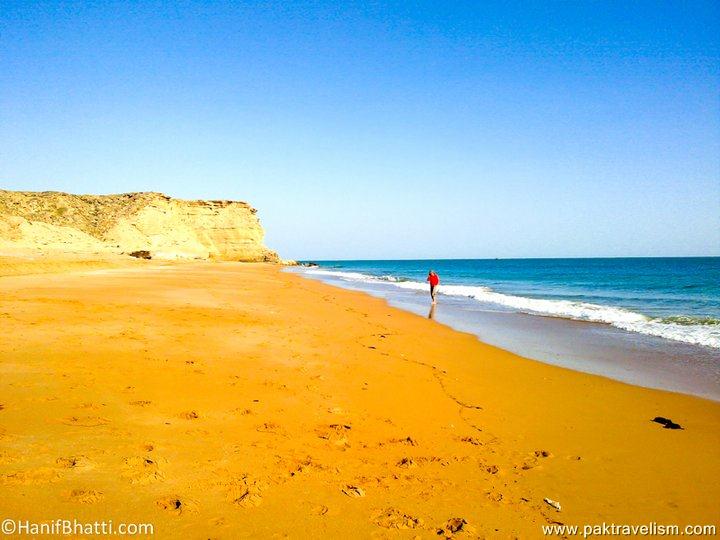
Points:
[(703, 331)]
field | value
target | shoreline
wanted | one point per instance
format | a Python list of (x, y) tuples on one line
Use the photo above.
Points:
[(584, 346), (267, 402), (675, 299)]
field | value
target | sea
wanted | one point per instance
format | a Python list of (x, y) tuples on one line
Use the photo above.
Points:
[(646, 321)]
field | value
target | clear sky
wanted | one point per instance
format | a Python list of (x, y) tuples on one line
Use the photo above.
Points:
[(382, 129)]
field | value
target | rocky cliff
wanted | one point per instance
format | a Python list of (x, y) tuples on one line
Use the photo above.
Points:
[(166, 227)]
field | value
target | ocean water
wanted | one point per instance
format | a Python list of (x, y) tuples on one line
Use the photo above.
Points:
[(651, 322), (676, 299)]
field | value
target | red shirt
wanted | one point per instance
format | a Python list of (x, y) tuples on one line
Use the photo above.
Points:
[(433, 279)]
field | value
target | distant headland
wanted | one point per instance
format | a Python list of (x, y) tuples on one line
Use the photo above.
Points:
[(146, 224)]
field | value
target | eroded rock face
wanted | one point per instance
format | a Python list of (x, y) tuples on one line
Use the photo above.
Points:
[(168, 228)]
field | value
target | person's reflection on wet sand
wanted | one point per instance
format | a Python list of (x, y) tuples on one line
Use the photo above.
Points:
[(431, 315)]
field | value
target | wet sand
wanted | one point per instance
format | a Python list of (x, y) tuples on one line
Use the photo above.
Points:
[(590, 347), (229, 400)]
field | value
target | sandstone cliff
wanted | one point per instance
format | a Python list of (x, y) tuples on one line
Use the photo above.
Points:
[(166, 227)]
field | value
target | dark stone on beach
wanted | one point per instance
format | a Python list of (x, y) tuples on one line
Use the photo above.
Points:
[(666, 423), (142, 254)]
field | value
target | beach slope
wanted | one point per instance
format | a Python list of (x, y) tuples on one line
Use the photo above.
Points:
[(235, 400)]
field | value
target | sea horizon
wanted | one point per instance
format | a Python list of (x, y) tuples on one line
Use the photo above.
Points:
[(319, 260)]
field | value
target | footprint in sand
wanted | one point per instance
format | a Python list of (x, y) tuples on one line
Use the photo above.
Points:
[(77, 463), (429, 490), (392, 518), (177, 505), (409, 441), (336, 434), (495, 496), (189, 415), (43, 475), (353, 491), (319, 510), (270, 427), (534, 459), (85, 421), (294, 467), (245, 491), (140, 403), (406, 463), (443, 462), (84, 496), (471, 440), (92, 406), (142, 470)]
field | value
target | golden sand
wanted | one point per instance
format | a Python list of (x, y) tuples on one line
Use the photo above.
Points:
[(229, 400)]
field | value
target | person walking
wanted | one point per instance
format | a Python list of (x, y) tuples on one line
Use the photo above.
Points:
[(434, 281)]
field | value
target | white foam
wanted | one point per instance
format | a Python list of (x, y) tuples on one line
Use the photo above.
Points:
[(696, 334), (350, 276)]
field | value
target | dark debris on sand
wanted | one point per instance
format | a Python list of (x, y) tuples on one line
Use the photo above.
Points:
[(666, 423)]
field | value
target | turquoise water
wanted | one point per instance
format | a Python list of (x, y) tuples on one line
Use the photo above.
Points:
[(677, 299)]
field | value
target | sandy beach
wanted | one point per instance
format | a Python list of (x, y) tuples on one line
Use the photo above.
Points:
[(224, 400)]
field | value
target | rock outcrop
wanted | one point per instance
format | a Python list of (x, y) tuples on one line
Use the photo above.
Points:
[(168, 228)]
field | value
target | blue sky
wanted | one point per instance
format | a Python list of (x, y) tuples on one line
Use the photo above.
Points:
[(382, 130)]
